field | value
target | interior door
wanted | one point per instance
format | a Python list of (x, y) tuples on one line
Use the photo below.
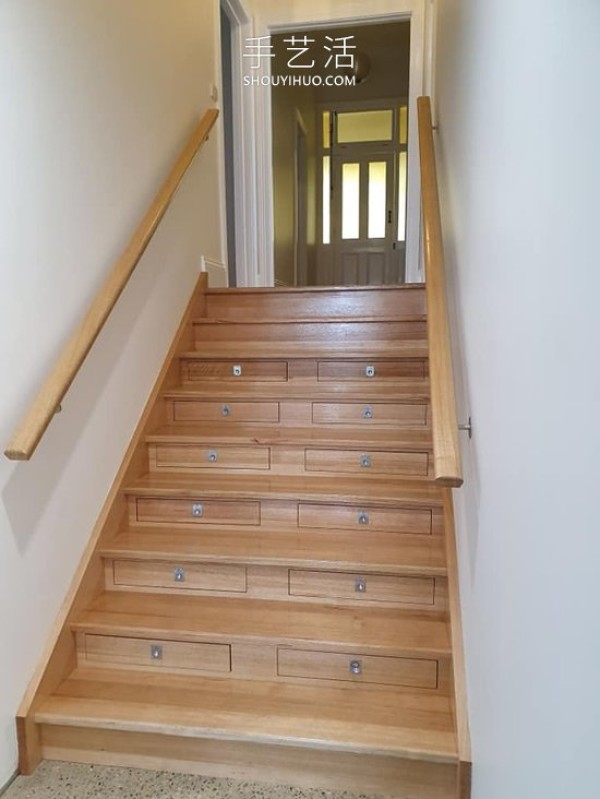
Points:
[(364, 218)]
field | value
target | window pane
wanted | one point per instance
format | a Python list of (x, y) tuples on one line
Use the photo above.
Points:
[(326, 123), (403, 124), (360, 126), (350, 201), (402, 197), (326, 200), (377, 199)]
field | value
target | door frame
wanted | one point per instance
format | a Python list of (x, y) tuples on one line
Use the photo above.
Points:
[(245, 174), (421, 14), (300, 263)]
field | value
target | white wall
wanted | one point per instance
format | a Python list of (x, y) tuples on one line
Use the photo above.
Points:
[(96, 100), (519, 120)]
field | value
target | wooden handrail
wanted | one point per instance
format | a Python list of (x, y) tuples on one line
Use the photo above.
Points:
[(41, 411), (446, 452)]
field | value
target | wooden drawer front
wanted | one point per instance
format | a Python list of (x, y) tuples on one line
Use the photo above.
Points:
[(369, 587), (238, 371), (357, 517), (370, 370), (366, 462), (198, 411), (192, 456), (410, 672), (180, 576), (396, 413), (157, 653), (189, 511)]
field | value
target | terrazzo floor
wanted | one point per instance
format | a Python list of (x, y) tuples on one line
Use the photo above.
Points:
[(72, 781)]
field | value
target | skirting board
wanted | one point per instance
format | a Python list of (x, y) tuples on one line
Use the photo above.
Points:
[(218, 277)]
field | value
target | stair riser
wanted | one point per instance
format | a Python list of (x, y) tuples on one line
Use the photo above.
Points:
[(364, 414), (302, 663), (320, 333), (324, 372), (277, 515), (282, 765), (317, 304), (288, 460), (363, 588)]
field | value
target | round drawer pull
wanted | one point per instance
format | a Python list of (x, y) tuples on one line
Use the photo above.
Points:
[(212, 455), (367, 412), (360, 586), (237, 370), (365, 461), (197, 510), (355, 667), (370, 371), (226, 410), (363, 517), (179, 575), (156, 652)]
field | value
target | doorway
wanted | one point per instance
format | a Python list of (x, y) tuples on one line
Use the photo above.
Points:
[(227, 50), (341, 184), (362, 227)]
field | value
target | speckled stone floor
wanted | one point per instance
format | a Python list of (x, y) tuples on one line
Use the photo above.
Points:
[(68, 780)]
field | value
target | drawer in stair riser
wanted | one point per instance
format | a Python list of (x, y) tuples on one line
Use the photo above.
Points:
[(156, 654), (371, 371), (180, 576), (196, 511), (199, 411), (367, 518), (362, 586), (364, 413), (405, 672), (165, 457), (366, 462), (236, 371)]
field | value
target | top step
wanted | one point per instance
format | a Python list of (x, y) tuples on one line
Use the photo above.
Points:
[(268, 304)]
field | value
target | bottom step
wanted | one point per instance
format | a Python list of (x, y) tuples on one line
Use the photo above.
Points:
[(371, 739)]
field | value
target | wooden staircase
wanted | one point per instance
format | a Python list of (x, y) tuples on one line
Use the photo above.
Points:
[(266, 594)]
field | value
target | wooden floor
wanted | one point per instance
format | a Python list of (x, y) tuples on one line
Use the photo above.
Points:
[(266, 593)]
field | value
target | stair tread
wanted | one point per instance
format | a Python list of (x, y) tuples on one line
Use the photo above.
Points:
[(302, 320), (227, 619), (374, 720), (397, 287), (326, 549), (392, 491), (216, 350), (222, 432), (407, 391)]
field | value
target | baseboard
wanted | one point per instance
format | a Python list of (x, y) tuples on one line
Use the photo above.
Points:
[(7, 784), (218, 276)]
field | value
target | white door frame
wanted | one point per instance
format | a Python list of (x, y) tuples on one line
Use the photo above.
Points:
[(300, 246), (420, 13), (245, 166)]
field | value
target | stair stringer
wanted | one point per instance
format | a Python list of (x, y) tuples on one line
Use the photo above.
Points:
[(59, 656)]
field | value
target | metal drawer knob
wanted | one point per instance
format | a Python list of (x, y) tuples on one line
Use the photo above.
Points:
[(367, 412), (360, 586), (355, 667), (212, 455), (156, 652), (179, 575), (237, 370), (370, 371), (197, 510), (363, 517), (365, 461), (226, 410)]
